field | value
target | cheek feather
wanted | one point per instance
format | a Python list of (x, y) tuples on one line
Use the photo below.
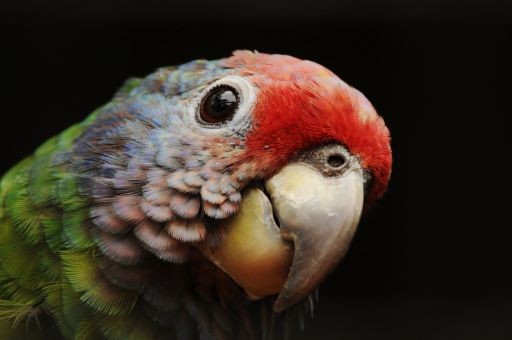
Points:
[(288, 119)]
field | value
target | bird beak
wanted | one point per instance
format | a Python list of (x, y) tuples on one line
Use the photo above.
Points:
[(316, 219), (319, 215)]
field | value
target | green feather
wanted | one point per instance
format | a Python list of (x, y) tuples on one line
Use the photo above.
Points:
[(92, 117), (40, 182), (47, 148), (82, 272), (74, 234), (67, 137), (52, 230), (79, 269), (136, 326), (19, 259), (24, 216), (9, 180), (49, 265), (64, 304), (126, 88), (67, 192), (87, 330), (40, 212), (103, 296)]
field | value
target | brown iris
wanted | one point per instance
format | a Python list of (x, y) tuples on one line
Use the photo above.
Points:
[(219, 105)]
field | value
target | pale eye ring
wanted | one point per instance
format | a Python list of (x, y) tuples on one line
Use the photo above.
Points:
[(224, 107)]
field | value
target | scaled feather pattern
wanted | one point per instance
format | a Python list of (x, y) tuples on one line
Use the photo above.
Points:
[(98, 227)]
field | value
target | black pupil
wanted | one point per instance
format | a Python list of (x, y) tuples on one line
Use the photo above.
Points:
[(336, 161), (220, 104)]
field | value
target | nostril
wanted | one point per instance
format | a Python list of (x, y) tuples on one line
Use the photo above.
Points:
[(336, 160)]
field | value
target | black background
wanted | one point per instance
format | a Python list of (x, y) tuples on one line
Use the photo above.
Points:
[(433, 259)]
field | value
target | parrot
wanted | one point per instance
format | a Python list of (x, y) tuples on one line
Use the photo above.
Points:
[(207, 200)]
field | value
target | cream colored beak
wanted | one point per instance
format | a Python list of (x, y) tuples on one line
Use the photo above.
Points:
[(317, 217)]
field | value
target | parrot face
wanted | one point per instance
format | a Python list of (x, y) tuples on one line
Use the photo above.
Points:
[(259, 162), (194, 191)]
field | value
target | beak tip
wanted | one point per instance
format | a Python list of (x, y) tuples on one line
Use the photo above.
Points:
[(281, 304), (278, 308)]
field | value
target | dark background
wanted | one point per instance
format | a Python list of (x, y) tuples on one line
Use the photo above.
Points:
[(433, 259)]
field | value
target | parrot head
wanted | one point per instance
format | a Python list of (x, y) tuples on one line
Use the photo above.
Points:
[(260, 164)]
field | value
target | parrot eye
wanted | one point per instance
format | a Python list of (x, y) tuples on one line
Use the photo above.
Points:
[(336, 160), (224, 107), (219, 105)]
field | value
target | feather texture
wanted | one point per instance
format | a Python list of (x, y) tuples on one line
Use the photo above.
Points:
[(98, 229)]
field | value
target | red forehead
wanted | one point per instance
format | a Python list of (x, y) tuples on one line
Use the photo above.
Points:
[(302, 104), (275, 66)]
